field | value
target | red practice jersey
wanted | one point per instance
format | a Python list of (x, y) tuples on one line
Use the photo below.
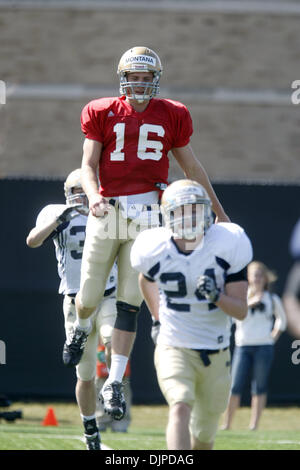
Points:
[(135, 145)]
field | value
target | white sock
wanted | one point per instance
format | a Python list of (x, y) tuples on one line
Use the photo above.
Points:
[(82, 323), (117, 368), (87, 418)]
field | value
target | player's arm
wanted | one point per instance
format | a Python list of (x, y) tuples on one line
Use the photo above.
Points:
[(150, 292), (193, 169), (38, 235), (90, 161), (292, 308), (233, 301), (291, 300)]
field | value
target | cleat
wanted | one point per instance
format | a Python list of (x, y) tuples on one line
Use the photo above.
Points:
[(113, 400), (93, 441), (73, 351)]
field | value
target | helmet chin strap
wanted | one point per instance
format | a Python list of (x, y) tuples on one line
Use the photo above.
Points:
[(140, 101), (139, 97)]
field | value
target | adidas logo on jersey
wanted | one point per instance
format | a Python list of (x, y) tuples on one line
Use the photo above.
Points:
[(110, 114)]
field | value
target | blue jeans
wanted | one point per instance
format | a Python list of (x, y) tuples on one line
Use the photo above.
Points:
[(256, 358)]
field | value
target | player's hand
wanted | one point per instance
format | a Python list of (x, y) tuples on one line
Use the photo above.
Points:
[(207, 287), (155, 330), (68, 214), (99, 206)]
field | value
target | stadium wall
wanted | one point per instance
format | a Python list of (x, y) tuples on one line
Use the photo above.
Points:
[(32, 321), (233, 69)]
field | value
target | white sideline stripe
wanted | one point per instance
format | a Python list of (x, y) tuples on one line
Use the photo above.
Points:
[(226, 7), (69, 91), (103, 446), (280, 442), (63, 436)]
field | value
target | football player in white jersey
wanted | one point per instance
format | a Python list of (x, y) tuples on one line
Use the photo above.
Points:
[(65, 224), (193, 279)]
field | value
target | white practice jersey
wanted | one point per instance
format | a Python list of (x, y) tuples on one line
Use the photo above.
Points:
[(187, 318), (69, 239), (256, 328)]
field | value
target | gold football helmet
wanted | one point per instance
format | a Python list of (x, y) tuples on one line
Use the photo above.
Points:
[(139, 59), (73, 182), (186, 209)]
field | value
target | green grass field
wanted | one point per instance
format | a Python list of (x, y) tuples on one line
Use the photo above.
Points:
[(279, 430)]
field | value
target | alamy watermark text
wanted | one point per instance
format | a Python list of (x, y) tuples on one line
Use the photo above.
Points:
[(296, 94), (296, 354)]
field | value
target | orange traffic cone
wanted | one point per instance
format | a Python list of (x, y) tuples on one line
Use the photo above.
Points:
[(50, 418)]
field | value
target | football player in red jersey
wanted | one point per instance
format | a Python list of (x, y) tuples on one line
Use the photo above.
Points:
[(127, 141)]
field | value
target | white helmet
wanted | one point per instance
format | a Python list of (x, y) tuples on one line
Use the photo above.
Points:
[(186, 209), (139, 59), (72, 182)]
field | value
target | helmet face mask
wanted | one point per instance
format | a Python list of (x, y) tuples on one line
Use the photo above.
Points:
[(187, 221), (186, 209), (78, 198), (137, 60), (74, 192), (147, 89)]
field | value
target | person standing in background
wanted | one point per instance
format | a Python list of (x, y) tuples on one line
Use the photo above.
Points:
[(255, 337)]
